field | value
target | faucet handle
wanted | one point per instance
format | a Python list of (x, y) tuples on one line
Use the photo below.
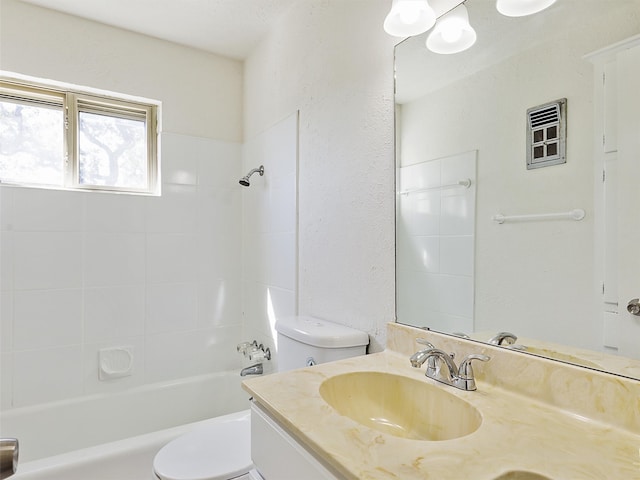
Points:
[(465, 371)]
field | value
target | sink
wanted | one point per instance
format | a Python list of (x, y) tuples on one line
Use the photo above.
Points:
[(400, 406), (521, 475)]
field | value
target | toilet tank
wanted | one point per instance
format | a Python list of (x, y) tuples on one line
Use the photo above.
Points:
[(305, 341)]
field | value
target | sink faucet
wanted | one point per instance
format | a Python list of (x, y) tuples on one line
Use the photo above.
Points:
[(503, 338), (460, 377), (418, 358)]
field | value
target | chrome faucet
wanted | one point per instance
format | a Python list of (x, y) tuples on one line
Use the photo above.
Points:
[(503, 338), (252, 370), (418, 358), (8, 457), (460, 377)]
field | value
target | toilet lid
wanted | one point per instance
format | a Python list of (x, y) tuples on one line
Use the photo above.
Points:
[(218, 451)]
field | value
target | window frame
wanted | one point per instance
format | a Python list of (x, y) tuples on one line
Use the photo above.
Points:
[(72, 102)]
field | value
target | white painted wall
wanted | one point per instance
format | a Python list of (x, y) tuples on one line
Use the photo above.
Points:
[(332, 61), (82, 271), (535, 278)]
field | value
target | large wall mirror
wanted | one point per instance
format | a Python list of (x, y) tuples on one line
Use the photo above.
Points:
[(461, 155)]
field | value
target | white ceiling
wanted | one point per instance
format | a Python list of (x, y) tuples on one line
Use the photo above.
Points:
[(226, 27)]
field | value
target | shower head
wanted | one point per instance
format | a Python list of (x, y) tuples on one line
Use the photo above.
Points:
[(244, 181)]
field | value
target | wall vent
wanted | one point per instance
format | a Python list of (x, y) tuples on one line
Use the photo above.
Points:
[(546, 134)]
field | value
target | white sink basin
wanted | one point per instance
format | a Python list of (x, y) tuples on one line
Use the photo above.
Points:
[(400, 406)]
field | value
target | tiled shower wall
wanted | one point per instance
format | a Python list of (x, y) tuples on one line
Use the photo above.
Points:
[(269, 232), (85, 271)]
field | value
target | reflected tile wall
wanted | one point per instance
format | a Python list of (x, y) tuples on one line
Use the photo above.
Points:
[(436, 242), (83, 271)]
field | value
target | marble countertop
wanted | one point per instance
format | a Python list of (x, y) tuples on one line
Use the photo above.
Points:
[(518, 431)]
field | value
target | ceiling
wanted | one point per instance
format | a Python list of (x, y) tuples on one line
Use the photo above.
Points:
[(227, 27)]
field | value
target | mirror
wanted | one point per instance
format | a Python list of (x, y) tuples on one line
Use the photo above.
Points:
[(461, 155)]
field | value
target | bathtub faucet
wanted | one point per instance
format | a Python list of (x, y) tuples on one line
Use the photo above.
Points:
[(8, 457), (252, 370)]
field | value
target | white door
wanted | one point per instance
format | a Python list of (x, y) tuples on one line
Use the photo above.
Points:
[(628, 201)]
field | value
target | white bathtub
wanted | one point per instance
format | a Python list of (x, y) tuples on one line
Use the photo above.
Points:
[(129, 459), (71, 426)]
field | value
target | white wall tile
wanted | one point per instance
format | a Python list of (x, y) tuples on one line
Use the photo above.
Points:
[(6, 260), (281, 216), (456, 295), (47, 260), (171, 307), (219, 163), (6, 321), (420, 213), (106, 212), (254, 257), (112, 313), (264, 305), (6, 380), (219, 210), (181, 354), (255, 209), (278, 146), (173, 212), (171, 258), (452, 323), (47, 318), (6, 208), (37, 209), (179, 159), (281, 260), (418, 252), (458, 215), (92, 383), (114, 259), (219, 303), (418, 293), (47, 375), (219, 256), (456, 255), (421, 175)]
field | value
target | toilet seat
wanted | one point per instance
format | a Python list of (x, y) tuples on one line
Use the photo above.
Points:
[(219, 450)]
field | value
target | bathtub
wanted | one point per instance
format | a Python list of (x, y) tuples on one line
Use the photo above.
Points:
[(128, 459), (48, 431)]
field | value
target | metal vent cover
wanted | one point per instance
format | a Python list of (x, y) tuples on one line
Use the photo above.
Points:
[(547, 134)]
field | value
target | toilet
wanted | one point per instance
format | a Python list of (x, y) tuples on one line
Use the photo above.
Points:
[(220, 448)]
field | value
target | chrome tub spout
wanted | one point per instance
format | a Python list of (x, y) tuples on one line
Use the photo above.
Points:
[(252, 370)]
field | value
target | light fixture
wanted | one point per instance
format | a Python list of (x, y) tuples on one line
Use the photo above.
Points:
[(409, 17), (452, 33), (520, 8)]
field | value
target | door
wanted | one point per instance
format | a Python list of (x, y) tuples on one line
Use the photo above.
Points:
[(628, 199)]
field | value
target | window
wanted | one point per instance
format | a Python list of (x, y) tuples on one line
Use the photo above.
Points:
[(53, 137)]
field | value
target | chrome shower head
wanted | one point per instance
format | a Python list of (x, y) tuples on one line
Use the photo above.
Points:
[(244, 181)]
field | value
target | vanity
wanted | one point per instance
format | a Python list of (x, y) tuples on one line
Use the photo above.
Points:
[(377, 417)]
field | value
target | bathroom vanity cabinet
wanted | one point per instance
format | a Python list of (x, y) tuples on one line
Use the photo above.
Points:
[(277, 455), (553, 420)]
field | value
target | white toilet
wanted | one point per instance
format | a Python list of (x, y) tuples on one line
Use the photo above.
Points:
[(220, 449)]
